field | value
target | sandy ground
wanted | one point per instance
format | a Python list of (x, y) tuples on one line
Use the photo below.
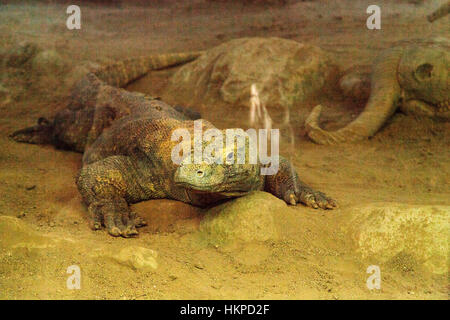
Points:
[(405, 163)]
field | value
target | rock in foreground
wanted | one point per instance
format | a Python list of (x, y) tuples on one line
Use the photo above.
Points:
[(248, 218), (17, 234), (410, 235)]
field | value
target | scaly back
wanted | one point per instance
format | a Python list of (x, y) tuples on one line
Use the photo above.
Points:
[(119, 74)]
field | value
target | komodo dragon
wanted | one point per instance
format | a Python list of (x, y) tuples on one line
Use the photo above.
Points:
[(126, 141), (414, 77)]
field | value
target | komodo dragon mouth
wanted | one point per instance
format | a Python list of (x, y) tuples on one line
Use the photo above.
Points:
[(209, 189), (208, 197)]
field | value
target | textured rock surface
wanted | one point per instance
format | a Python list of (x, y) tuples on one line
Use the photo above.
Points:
[(79, 71), (411, 235), (21, 53), (47, 62), (249, 218), (355, 83), (286, 73), (16, 234), (138, 258)]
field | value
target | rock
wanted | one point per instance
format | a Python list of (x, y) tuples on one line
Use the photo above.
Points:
[(285, 72), (79, 71), (137, 258), (16, 234), (355, 83), (248, 218), (403, 235), (47, 62), (18, 55)]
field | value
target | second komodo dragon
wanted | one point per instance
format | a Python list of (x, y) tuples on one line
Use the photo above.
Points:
[(126, 141)]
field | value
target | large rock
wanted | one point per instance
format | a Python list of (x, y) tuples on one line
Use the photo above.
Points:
[(18, 55), (404, 235), (79, 71), (285, 72), (245, 219), (48, 62)]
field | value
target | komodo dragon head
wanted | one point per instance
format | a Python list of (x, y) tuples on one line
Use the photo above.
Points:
[(400, 75), (225, 171), (423, 74)]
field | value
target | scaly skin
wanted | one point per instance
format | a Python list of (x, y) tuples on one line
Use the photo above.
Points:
[(97, 101), (414, 77), (131, 160)]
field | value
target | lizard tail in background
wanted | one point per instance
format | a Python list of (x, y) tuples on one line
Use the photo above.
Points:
[(121, 73), (41, 133), (117, 74), (440, 12)]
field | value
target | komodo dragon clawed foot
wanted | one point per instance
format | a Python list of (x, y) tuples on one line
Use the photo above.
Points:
[(116, 218), (310, 198), (287, 186)]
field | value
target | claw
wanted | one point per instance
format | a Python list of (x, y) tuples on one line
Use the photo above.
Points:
[(115, 216), (311, 201), (114, 231), (96, 226), (138, 221), (292, 199), (129, 232)]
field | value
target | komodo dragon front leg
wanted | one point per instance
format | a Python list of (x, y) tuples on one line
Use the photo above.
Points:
[(286, 185), (107, 186)]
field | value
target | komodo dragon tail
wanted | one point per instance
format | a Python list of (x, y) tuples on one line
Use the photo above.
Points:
[(121, 73), (41, 133), (117, 74), (383, 101)]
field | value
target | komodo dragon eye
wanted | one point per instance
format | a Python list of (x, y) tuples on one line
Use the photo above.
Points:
[(200, 173), (423, 71)]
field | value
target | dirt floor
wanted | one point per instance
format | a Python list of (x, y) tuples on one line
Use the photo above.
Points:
[(406, 163)]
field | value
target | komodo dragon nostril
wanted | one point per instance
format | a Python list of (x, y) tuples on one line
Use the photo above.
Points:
[(200, 173)]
